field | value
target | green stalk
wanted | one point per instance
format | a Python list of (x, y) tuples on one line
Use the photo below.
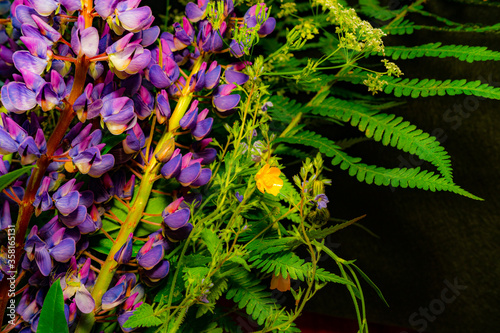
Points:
[(108, 268)]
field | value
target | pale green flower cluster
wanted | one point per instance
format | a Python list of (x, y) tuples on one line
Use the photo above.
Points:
[(375, 83), (287, 9), (355, 33)]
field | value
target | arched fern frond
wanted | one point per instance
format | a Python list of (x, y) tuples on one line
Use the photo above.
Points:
[(396, 177)]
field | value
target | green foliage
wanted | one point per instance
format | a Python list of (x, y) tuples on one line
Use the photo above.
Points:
[(143, 316), (248, 292), (461, 52), (52, 317), (7, 179)]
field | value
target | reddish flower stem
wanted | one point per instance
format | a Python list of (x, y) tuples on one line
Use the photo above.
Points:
[(26, 207)]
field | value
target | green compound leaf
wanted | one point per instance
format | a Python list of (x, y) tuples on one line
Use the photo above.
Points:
[(52, 317), (461, 52), (396, 177), (8, 178), (143, 316)]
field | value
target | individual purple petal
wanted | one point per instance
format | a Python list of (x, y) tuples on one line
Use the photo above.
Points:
[(189, 119), (90, 41), (208, 155), (150, 35), (101, 166), (172, 167), (162, 107), (202, 129), (235, 77), (84, 300), (46, 30), (75, 218), (24, 59), (158, 77), (267, 27), (159, 271), (68, 203), (7, 144), (236, 48), (105, 7), (212, 76), (44, 7), (113, 297), (177, 219), (149, 259), (43, 260), (71, 5), (193, 12), (179, 234), (124, 254), (139, 61), (224, 103), (203, 179), (63, 251), (189, 174), (135, 19), (17, 97)]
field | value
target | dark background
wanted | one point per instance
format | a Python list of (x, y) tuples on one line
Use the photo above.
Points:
[(426, 238)]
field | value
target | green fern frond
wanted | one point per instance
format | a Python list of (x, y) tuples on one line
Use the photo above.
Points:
[(268, 246), (461, 52), (413, 178), (248, 293), (390, 130), (288, 263), (347, 143), (283, 150), (416, 87), (372, 8)]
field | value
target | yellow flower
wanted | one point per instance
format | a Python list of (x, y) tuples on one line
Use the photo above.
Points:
[(268, 180)]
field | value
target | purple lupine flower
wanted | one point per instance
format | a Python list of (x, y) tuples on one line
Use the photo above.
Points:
[(236, 48), (188, 121), (173, 167), (175, 221), (202, 153), (184, 34), (74, 284), (238, 196), (127, 57), (223, 101), (212, 76), (43, 200), (266, 23), (234, 75), (196, 12), (47, 7), (118, 114), (162, 107), (144, 103), (135, 140), (124, 15), (203, 126), (164, 71), (190, 170), (124, 254), (322, 200), (267, 105), (85, 41), (119, 293)]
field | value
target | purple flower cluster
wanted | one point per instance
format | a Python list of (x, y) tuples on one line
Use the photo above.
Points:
[(98, 89)]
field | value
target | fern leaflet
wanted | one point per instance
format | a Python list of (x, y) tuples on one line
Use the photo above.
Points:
[(461, 52)]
